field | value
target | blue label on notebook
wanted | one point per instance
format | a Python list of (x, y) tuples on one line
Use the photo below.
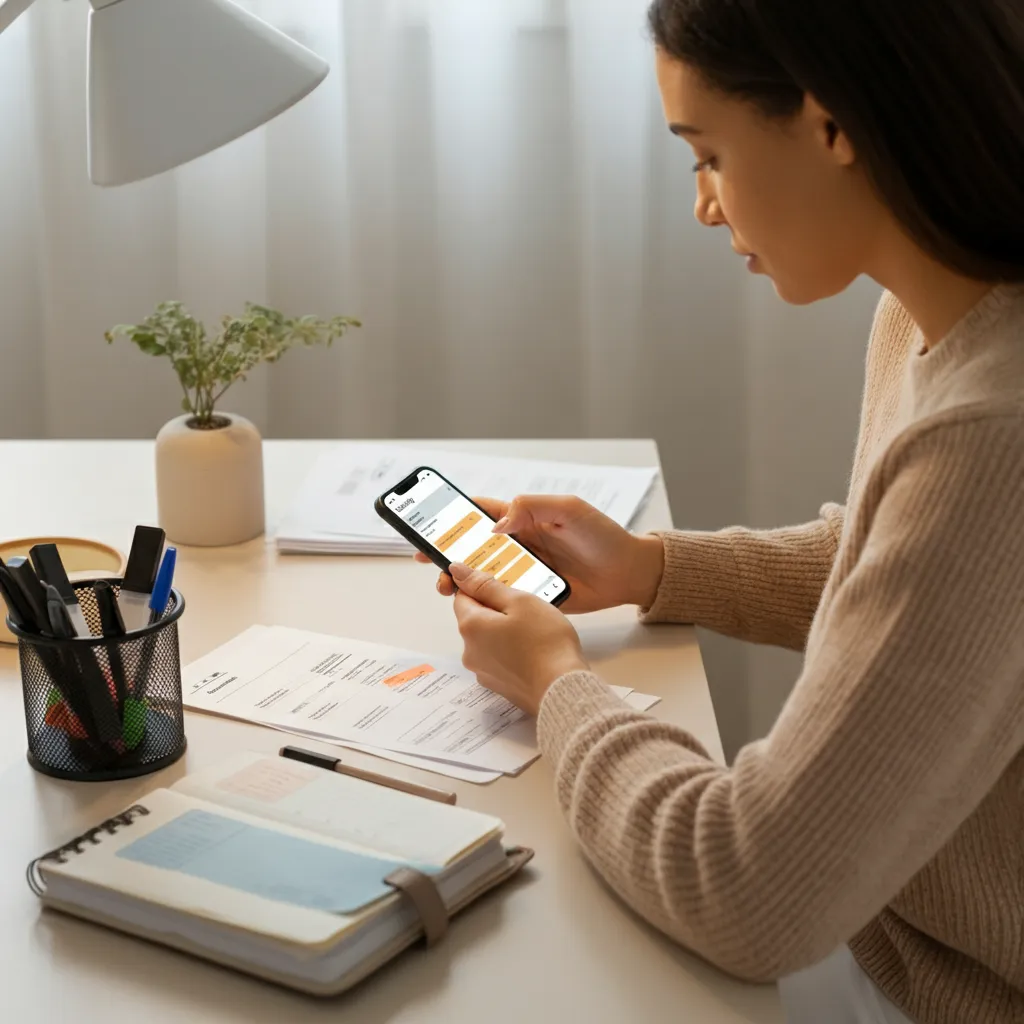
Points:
[(264, 862)]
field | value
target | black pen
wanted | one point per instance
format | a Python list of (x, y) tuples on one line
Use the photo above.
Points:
[(18, 610), (333, 764), (13, 586), (61, 626), (97, 693), (50, 569), (63, 668), (112, 626), (32, 591)]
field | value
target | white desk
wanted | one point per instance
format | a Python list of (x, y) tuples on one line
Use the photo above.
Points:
[(555, 946)]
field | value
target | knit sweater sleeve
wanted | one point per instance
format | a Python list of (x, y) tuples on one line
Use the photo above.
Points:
[(757, 585), (764, 586), (908, 710)]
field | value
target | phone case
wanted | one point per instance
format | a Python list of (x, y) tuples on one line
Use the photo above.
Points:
[(396, 522)]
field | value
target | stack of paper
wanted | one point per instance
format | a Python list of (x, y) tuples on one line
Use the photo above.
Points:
[(393, 703), (333, 512)]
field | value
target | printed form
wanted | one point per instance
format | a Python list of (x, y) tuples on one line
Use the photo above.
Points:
[(348, 690), (424, 712), (333, 510)]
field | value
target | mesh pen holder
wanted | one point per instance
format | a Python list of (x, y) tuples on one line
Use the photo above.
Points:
[(103, 708)]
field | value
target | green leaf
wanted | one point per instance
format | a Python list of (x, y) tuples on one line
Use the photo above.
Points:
[(207, 367)]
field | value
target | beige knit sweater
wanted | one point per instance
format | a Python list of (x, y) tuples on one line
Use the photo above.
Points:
[(886, 807)]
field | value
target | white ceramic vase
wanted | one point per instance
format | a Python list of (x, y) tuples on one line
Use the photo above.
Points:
[(209, 483)]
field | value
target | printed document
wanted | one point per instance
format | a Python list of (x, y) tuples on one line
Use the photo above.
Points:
[(333, 511), (351, 690), (426, 711)]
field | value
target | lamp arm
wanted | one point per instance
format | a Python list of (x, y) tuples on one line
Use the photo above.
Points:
[(13, 10)]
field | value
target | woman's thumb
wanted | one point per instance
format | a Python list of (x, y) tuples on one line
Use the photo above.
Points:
[(481, 587), (517, 516)]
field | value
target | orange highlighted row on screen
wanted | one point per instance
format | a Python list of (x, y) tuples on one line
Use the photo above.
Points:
[(460, 529), (518, 570), (492, 547), (504, 560)]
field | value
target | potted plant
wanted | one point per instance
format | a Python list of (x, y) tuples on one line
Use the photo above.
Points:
[(209, 464)]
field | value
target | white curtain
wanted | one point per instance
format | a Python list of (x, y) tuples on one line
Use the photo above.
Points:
[(490, 187)]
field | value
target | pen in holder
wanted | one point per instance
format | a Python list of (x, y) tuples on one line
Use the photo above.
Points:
[(102, 708)]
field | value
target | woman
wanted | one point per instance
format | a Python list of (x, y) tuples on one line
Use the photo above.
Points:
[(868, 851)]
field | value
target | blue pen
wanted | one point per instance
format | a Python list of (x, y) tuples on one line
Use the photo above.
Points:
[(162, 586)]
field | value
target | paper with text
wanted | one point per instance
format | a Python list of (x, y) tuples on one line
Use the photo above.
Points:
[(346, 689), (478, 776), (334, 507)]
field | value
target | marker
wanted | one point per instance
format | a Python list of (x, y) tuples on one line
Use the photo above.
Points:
[(112, 626), (50, 569), (139, 576), (61, 625), (97, 693), (31, 591), (18, 609), (110, 613), (68, 668), (26, 616), (162, 587)]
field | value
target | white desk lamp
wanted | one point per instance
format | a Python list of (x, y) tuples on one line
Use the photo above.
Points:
[(170, 80)]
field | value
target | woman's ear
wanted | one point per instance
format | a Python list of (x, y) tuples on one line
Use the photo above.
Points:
[(828, 132)]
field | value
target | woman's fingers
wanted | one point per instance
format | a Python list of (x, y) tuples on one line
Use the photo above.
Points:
[(445, 587), (493, 507), (535, 509)]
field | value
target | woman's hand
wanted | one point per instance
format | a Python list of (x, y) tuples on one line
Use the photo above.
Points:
[(516, 644), (604, 564)]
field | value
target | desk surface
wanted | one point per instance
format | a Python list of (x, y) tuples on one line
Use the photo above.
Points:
[(554, 946)]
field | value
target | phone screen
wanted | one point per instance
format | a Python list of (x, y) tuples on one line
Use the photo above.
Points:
[(448, 521)]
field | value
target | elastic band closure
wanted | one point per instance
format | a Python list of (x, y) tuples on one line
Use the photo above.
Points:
[(427, 900)]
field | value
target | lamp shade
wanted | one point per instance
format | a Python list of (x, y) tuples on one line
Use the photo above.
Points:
[(170, 80)]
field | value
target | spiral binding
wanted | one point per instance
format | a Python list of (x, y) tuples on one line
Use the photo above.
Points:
[(77, 845)]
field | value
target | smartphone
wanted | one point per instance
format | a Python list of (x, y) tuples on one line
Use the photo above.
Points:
[(438, 519)]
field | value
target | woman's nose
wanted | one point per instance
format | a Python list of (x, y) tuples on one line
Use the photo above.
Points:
[(707, 210)]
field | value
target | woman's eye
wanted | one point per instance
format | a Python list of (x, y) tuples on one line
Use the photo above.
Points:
[(711, 164)]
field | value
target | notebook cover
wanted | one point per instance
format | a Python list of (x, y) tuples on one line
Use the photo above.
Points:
[(516, 859)]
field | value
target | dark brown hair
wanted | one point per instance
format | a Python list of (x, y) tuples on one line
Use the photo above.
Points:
[(930, 93)]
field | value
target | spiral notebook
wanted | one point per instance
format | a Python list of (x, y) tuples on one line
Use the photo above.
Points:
[(300, 876)]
